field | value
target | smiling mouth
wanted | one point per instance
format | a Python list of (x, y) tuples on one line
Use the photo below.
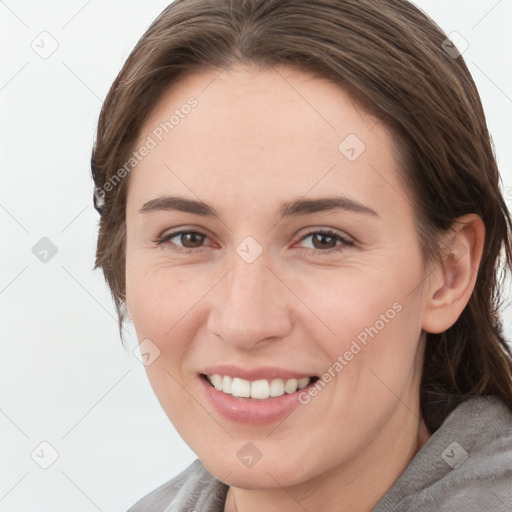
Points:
[(260, 389)]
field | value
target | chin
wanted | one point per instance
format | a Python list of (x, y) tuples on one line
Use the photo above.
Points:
[(279, 471)]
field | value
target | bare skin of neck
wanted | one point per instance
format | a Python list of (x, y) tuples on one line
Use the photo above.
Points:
[(358, 495)]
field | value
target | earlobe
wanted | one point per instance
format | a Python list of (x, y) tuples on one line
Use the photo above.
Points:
[(451, 284)]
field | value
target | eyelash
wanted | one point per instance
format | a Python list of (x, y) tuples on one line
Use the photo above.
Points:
[(165, 240)]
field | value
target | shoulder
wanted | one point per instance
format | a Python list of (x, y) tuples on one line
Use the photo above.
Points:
[(193, 489), (465, 465)]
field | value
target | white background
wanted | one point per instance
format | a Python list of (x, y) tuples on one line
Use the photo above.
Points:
[(64, 377)]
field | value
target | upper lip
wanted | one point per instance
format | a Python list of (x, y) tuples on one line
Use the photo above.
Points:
[(252, 374)]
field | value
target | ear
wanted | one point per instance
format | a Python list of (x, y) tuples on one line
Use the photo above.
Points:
[(449, 288)]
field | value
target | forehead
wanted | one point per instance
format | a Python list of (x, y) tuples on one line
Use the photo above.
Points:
[(255, 133)]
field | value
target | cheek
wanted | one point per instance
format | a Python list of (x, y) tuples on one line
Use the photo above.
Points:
[(370, 328), (164, 306), (167, 306), (356, 305), (157, 296)]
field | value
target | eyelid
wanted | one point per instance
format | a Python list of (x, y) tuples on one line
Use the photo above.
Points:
[(312, 230)]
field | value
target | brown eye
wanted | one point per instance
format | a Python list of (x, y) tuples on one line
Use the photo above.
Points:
[(326, 241), (191, 239), (323, 241), (182, 240)]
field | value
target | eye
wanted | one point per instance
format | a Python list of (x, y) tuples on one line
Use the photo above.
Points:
[(189, 240), (322, 241), (327, 241)]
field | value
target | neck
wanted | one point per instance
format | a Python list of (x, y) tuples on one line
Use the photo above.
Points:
[(356, 485)]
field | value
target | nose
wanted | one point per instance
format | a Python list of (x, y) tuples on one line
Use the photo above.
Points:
[(252, 307)]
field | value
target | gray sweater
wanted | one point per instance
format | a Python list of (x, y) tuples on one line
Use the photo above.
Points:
[(465, 466)]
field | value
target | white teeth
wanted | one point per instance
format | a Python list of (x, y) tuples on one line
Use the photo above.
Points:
[(290, 386), (216, 380), (277, 387), (226, 384), (240, 387), (258, 389), (302, 383)]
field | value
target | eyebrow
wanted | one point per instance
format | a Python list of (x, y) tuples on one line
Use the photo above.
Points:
[(293, 208)]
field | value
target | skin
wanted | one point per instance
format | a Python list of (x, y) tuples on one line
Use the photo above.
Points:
[(259, 137)]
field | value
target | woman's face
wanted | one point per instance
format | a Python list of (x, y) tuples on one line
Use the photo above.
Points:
[(270, 240)]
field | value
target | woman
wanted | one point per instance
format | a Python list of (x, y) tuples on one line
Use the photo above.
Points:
[(301, 215)]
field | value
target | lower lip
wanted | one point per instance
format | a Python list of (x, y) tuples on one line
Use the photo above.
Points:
[(250, 411)]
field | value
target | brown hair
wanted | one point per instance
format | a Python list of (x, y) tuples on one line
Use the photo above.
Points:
[(394, 60)]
